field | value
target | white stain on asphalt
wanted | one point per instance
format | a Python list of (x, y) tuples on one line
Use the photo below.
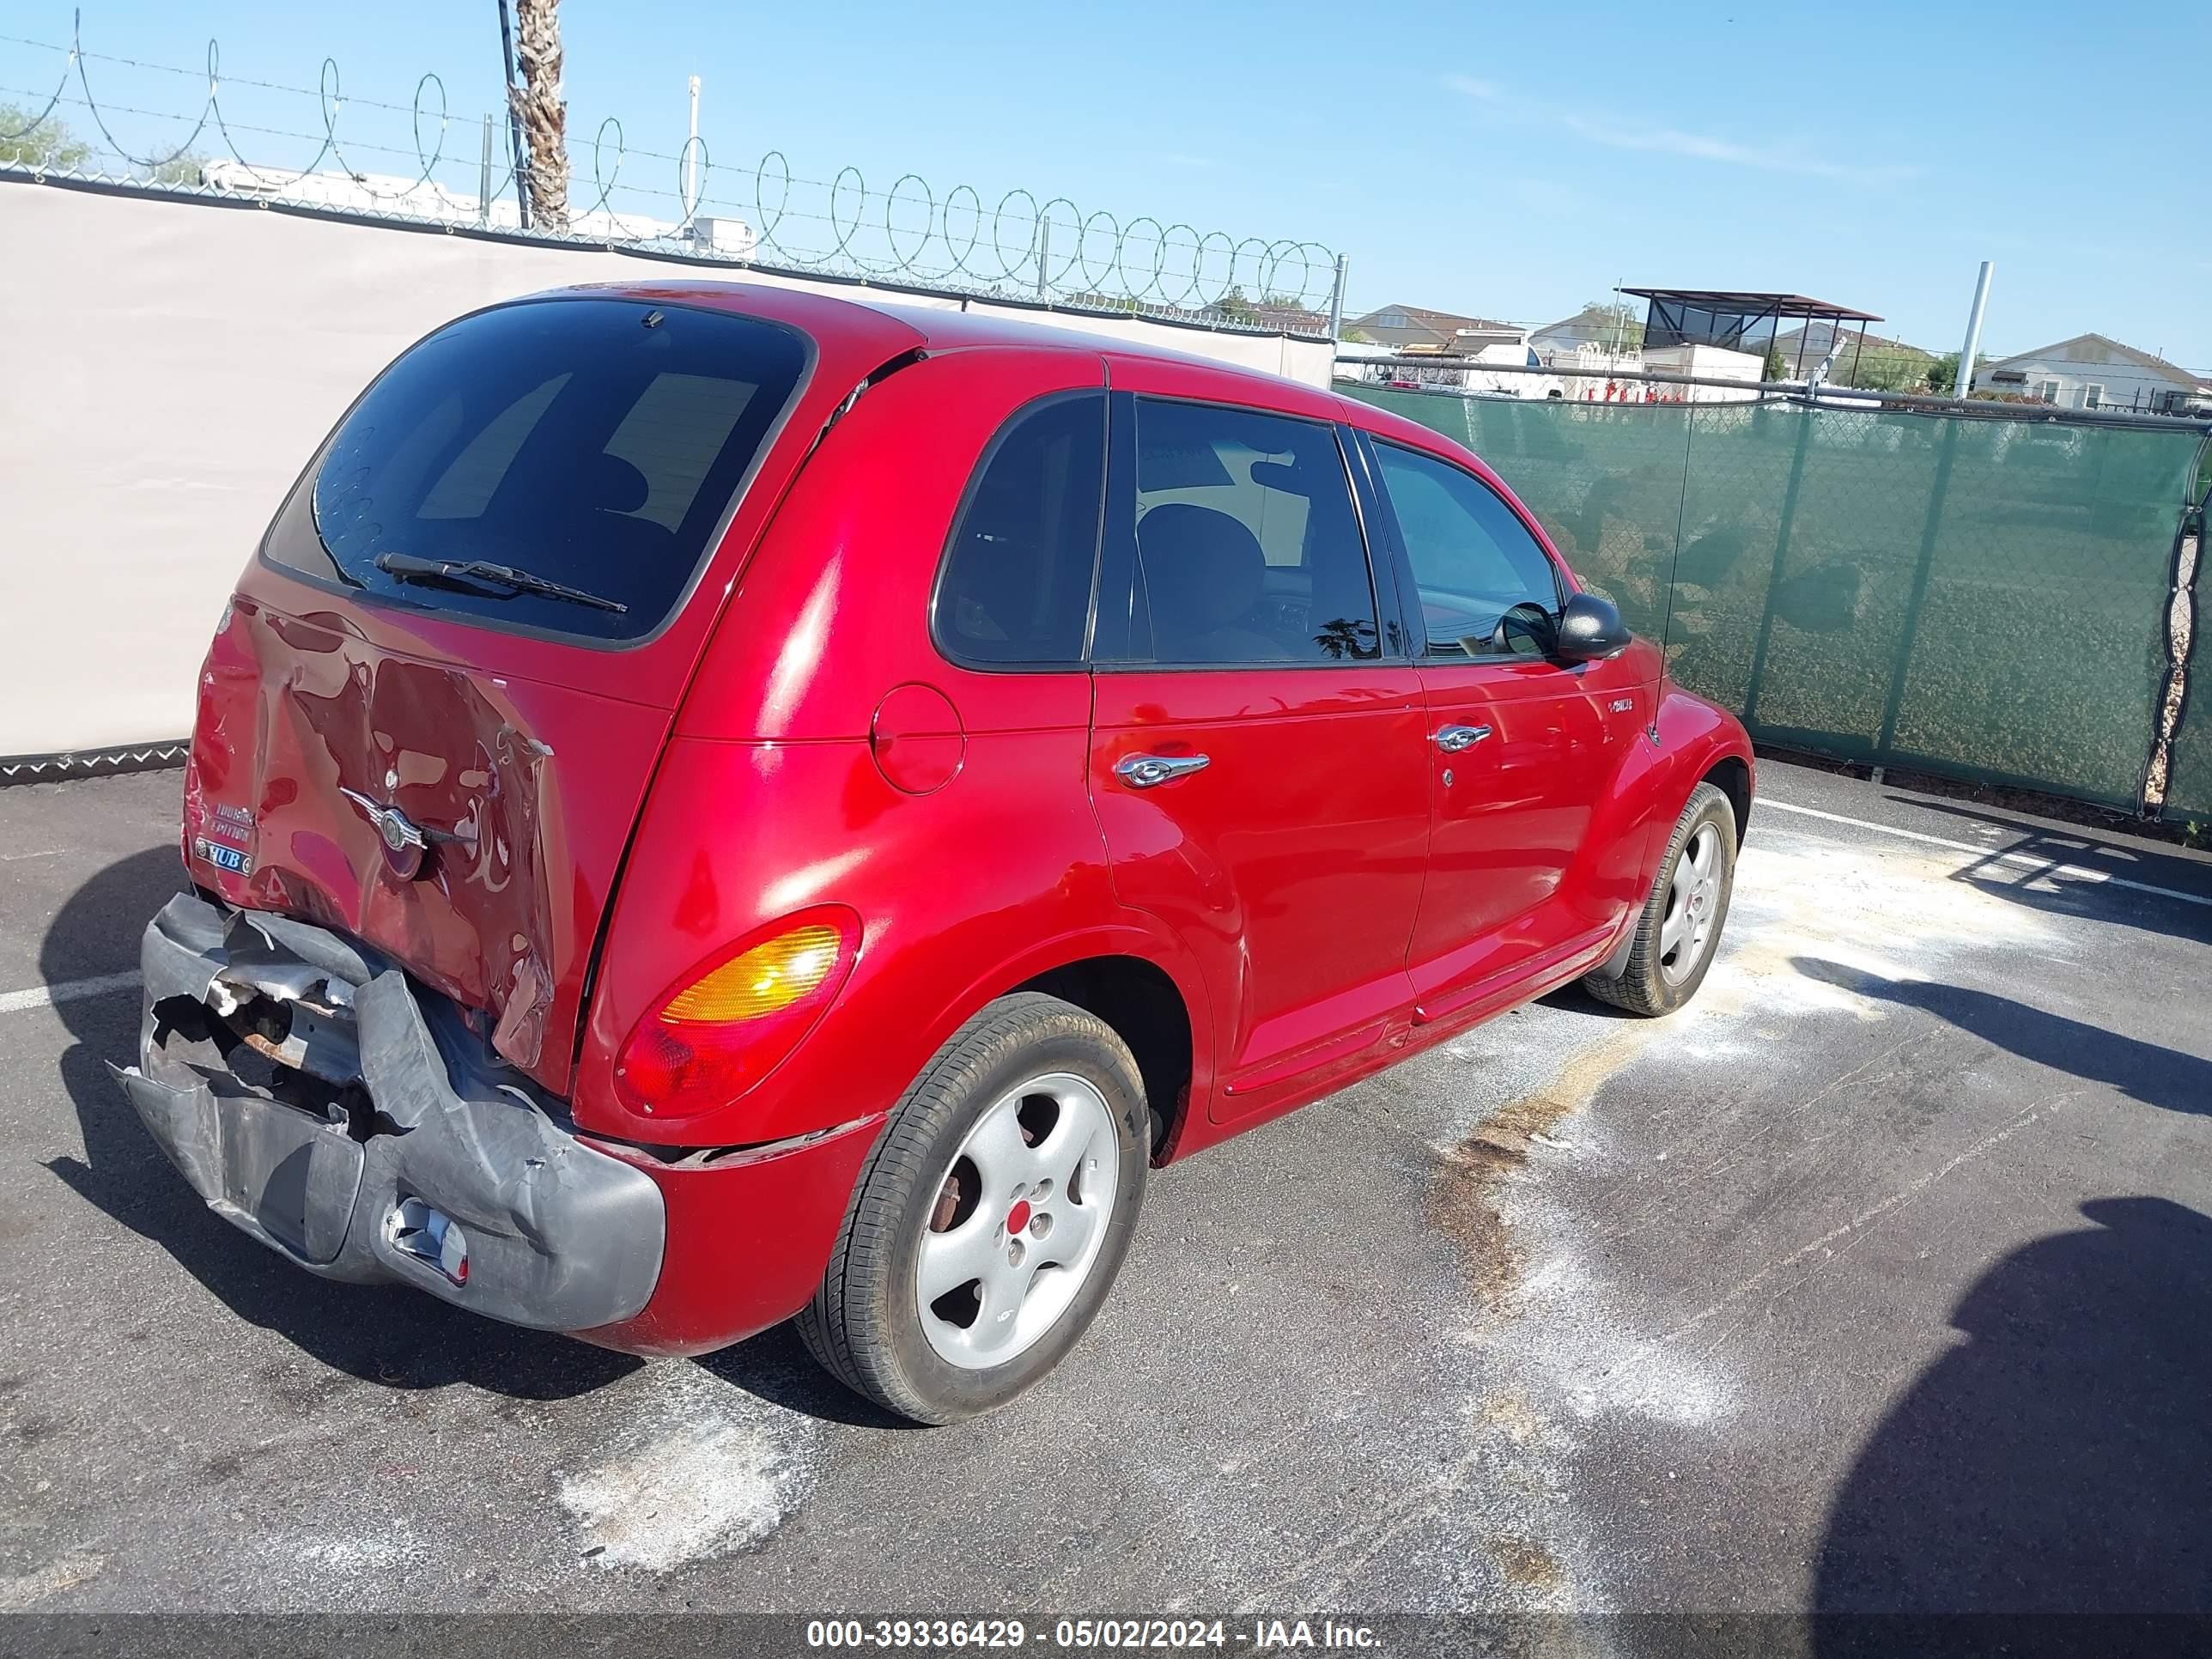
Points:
[(702, 1470), (1578, 1347), (1599, 1363), (1892, 913), (352, 1556), (26, 1590)]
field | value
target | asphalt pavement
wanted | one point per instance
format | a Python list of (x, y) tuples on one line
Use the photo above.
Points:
[(1880, 1279)]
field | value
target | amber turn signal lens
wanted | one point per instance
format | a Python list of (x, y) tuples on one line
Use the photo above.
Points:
[(764, 979)]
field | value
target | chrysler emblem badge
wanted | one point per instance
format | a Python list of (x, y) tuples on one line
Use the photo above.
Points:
[(403, 841)]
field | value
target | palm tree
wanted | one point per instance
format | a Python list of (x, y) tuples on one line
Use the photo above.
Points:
[(538, 104)]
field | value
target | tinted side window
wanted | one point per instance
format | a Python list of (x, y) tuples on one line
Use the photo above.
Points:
[(595, 442), (1248, 547), (1016, 581), (1474, 561)]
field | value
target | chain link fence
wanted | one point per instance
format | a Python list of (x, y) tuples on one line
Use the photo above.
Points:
[(1985, 598)]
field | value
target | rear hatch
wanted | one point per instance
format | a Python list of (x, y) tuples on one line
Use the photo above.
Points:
[(432, 711)]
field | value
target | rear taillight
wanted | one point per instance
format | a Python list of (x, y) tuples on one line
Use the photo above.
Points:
[(725, 1027)]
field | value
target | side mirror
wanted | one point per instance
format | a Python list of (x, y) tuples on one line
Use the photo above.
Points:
[(1590, 630)]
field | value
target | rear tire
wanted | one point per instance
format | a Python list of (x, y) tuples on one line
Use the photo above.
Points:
[(1034, 1115), (1679, 931)]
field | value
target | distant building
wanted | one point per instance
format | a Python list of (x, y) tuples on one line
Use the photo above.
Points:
[(2093, 370), (1803, 349), (1704, 362), (1279, 317), (1417, 329), (1599, 328)]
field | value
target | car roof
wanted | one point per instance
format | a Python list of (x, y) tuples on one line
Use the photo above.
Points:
[(862, 316), (946, 324)]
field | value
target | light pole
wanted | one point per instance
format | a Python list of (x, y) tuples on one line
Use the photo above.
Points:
[(1962, 383)]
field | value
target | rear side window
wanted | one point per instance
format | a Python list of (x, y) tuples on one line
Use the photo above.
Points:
[(1248, 548), (594, 444), (1016, 582)]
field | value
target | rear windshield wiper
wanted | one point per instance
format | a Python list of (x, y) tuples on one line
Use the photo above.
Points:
[(407, 567)]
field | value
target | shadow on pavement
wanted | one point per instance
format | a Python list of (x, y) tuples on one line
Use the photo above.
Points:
[(2059, 1460), (775, 1367), (2147, 1071), (2097, 901), (389, 1336)]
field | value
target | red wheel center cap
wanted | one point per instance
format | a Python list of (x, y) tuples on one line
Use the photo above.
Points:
[(1018, 1217)]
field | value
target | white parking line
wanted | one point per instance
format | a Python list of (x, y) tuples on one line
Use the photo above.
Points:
[(2024, 861), (41, 996)]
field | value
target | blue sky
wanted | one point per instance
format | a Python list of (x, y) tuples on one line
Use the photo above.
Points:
[(1506, 162)]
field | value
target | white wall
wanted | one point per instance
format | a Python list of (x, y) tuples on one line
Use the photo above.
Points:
[(165, 367), (1705, 362)]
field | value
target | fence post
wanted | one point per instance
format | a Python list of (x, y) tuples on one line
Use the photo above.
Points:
[(1336, 301), (1808, 415), (1044, 252), (483, 177), (1931, 528)]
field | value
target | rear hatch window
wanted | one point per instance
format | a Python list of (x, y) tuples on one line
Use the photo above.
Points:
[(558, 466)]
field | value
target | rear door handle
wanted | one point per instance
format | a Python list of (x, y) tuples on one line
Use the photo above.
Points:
[(1147, 771), (1453, 739)]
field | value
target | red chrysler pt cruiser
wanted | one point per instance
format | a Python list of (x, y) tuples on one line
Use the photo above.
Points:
[(712, 805)]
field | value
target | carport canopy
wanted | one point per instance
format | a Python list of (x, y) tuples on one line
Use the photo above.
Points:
[(1741, 320)]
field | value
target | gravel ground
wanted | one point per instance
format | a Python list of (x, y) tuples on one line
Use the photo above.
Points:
[(1880, 1279)]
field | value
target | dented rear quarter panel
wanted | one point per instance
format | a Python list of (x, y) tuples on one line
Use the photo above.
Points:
[(296, 711)]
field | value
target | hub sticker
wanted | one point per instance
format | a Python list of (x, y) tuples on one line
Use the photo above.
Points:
[(223, 857)]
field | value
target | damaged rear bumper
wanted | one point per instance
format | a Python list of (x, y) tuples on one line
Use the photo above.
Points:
[(318, 1100)]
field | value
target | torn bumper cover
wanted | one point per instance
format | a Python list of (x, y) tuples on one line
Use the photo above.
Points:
[(317, 1100)]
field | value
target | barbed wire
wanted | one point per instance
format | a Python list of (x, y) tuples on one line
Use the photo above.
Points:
[(764, 215)]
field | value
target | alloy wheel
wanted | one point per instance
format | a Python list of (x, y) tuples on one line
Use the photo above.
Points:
[(1018, 1221), (1692, 902)]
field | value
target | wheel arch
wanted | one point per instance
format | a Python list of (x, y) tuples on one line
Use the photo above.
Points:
[(1731, 775), (1146, 1009), (1141, 984)]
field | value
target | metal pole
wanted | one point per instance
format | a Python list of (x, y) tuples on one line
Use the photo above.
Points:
[(1915, 601), (691, 159), (1757, 680), (483, 177), (1044, 254), (513, 121), (1962, 383), (1336, 301)]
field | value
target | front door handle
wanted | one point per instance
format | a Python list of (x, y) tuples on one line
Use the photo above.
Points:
[(1147, 771), (1453, 739)]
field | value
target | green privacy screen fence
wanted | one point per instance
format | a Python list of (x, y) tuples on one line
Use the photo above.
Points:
[(1984, 597)]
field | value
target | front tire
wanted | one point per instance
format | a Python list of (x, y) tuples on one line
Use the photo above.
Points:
[(1679, 931), (988, 1223)]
